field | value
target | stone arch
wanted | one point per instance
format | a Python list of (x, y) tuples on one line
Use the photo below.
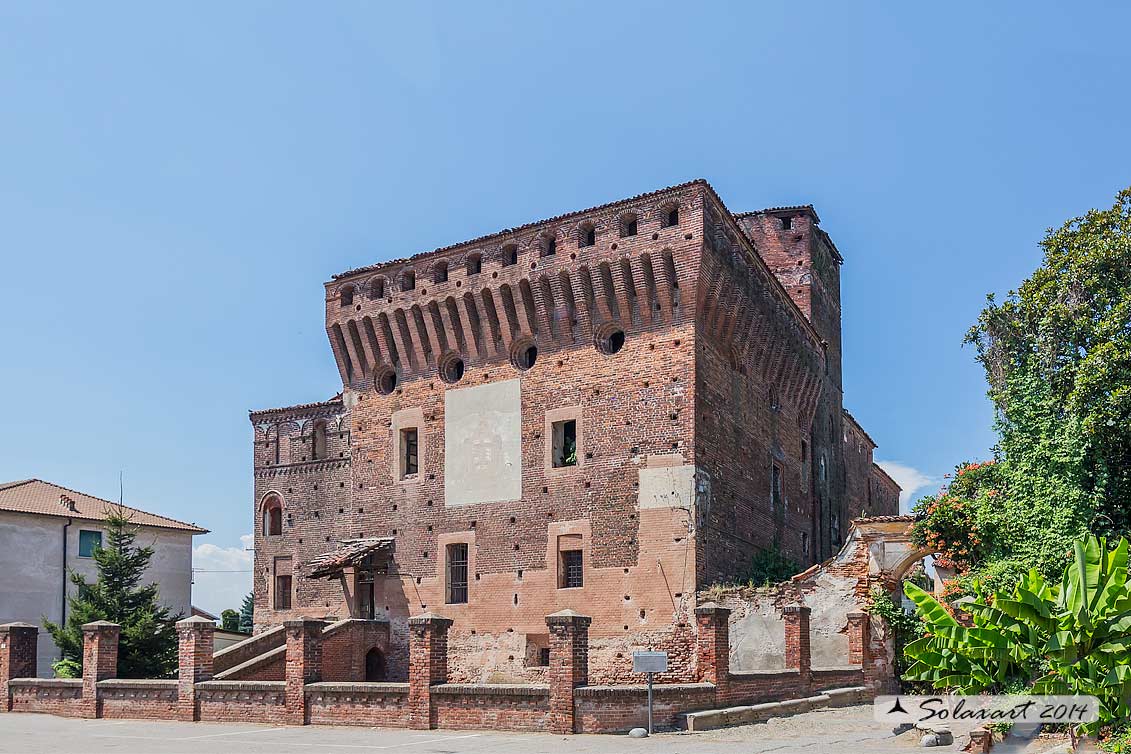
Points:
[(376, 668)]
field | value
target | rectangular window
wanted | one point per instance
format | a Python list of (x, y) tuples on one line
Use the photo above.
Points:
[(544, 657), (571, 576), (283, 584), (410, 452), (775, 489), (564, 437), (88, 541), (457, 574)]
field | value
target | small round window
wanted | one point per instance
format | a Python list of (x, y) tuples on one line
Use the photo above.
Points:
[(451, 368), (385, 381), (524, 356), (610, 340)]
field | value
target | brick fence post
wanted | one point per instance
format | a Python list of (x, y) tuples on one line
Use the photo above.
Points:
[(713, 646), (194, 662), (427, 665), (569, 665), (99, 662), (18, 657), (304, 664), (859, 636), (797, 651)]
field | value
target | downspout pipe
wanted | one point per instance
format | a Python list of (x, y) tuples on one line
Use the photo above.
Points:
[(63, 605)]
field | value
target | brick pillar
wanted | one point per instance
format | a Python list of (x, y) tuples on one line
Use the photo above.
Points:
[(304, 664), (859, 636), (713, 646), (797, 654), (427, 665), (18, 657), (194, 661), (99, 662), (569, 665)]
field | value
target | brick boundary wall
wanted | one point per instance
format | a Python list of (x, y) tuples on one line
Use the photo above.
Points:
[(568, 704)]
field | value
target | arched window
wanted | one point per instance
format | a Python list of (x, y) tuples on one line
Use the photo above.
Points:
[(440, 272), (408, 280), (272, 516), (318, 442), (474, 264), (346, 297), (510, 255)]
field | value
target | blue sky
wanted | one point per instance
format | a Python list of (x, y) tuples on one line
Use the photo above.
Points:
[(178, 182)]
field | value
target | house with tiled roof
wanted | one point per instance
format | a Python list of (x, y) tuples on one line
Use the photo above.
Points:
[(47, 530)]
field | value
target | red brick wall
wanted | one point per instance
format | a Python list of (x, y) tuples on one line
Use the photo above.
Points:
[(54, 696), (765, 686), (614, 709), (369, 704), (491, 708), (242, 702), (148, 700)]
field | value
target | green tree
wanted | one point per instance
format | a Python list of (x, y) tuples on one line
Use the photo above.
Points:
[(247, 613), (1057, 355), (230, 620), (148, 644)]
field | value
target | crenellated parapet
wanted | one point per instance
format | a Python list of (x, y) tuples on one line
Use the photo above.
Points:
[(300, 437), (585, 279)]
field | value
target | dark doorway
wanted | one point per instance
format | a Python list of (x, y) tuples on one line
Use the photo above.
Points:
[(374, 665)]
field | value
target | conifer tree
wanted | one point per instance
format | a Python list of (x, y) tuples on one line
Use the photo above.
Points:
[(247, 613), (148, 643)]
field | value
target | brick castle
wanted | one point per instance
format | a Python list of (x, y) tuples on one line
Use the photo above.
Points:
[(606, 411)]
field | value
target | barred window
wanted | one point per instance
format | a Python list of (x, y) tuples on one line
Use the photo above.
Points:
[(572, 575), (457, 574)]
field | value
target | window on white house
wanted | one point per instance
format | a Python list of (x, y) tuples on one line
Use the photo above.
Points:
[(88, 542)]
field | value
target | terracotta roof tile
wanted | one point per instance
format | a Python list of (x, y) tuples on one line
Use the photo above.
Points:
[(46, 499), (351, 552)]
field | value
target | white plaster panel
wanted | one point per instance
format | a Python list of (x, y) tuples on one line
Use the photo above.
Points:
[(483, 444), (667, 487)]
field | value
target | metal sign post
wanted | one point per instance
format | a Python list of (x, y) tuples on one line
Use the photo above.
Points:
[(649, 663)]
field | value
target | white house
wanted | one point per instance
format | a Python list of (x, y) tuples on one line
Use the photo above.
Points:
[(47, 530)]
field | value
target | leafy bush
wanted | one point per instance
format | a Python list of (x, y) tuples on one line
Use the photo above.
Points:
[(1068, 638), (769, 567), (67, 668), (905, 627)]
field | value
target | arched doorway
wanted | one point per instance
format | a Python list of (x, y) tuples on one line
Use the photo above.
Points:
[(374, 665)]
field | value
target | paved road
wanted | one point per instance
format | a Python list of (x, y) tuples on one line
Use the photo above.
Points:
[(849, 730)]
